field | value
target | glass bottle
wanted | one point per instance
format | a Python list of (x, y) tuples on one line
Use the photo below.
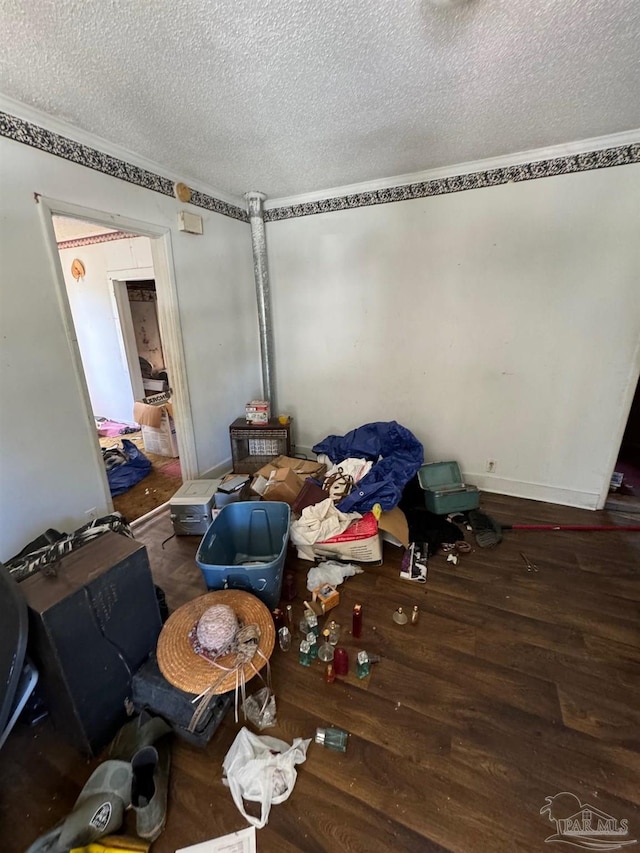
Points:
[(312, 622), (356, 625), (313, 645), (341, 661), (289, 590), (400, 617), (335, 739), (284, 638), (325, 651), (334, 632), (288, 618), (329, 673), (415, 615), (305, 653), (362, 665), (278, 618)]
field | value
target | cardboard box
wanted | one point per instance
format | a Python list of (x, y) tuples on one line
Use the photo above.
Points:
[(282, 478), (283, 485), (303, 467), (154, 385), (158, 428), (257, 417), (258, 412), (394, 527), (258, 406)]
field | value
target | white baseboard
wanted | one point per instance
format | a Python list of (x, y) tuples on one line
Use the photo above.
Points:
[(485, 482), (533, 491), (219, 470)]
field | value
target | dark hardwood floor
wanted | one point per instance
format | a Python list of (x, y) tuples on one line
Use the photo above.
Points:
[(513, 687)]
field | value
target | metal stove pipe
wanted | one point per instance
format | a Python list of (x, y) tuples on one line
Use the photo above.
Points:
[(263, 296)]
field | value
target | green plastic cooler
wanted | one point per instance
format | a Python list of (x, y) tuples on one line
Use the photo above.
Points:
[(444, 491)]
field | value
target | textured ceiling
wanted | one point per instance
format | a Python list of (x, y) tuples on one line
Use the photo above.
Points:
[(291, 96), (72, 229)]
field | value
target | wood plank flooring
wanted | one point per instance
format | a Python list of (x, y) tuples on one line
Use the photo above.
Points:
[(513, 687)]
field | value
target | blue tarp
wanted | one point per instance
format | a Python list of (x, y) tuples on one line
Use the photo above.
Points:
[(402, 455), (136, 468)]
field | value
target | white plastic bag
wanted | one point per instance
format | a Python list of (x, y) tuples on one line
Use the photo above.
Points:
[(260, 708), (331, 572), (261, 769)]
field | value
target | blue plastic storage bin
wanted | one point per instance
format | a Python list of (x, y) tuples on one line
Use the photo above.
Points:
[(245, 548)]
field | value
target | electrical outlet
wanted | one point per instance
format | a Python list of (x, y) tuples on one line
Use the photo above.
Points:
[(91, 513), (491, 466)]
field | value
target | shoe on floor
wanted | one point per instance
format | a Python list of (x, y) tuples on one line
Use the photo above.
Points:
[(143, 730), (149, 787), (98, 810)]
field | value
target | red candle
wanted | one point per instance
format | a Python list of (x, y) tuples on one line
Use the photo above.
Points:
[(340, 661), (356, 625)]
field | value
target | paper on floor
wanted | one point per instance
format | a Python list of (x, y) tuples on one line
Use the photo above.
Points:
[(243, 841)]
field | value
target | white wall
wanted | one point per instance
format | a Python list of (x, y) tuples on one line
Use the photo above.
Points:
[(48, 475), (499, 323), (96, 325)]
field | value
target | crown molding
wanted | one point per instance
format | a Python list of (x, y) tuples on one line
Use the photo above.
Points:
[(32, 127), (505, 161), (67, 131)]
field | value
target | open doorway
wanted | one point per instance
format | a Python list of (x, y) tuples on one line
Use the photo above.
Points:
[(110, 291), (625, 483)]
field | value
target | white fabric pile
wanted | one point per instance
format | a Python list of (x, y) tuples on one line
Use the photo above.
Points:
[(317, 523)]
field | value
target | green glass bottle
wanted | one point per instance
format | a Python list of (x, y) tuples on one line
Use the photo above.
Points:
[(313, 645), (330, 738), (362, 665), (312, 622), (304, 656)]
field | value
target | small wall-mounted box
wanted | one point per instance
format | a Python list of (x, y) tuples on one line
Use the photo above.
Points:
[(189, 222)]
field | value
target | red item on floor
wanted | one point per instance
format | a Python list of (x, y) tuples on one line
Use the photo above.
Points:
[(172, 469)]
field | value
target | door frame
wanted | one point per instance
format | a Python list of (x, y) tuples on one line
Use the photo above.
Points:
[(168, 320), (633, 378), (124, 326)]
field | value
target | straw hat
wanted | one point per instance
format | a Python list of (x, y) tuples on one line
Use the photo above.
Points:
[(191, 672)]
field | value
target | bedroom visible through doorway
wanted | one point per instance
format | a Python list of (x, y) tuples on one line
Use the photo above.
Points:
[(624, 494), (110, 284)]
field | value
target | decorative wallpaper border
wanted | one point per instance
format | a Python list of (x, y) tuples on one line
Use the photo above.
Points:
[(53, 143), (619, 156), (95, 238)]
